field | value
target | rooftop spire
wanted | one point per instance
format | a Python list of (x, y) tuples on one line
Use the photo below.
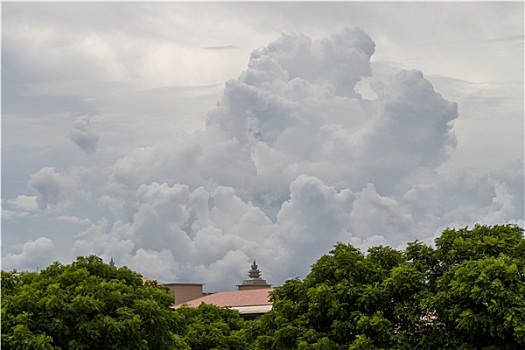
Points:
[(254, 273), (254, 280)]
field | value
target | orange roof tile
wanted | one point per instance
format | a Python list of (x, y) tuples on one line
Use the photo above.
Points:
[(233, 298)]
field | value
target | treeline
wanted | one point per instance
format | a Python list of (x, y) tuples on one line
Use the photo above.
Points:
[(466, 292)]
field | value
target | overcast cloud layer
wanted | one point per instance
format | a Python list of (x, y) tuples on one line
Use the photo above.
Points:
[(313, 143)]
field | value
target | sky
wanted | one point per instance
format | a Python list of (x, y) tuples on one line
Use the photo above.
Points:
[(184, 140)]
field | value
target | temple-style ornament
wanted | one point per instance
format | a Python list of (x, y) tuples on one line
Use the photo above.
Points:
[(254, 273), (112, 263), (254, 281)]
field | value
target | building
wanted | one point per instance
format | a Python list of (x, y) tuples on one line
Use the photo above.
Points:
[(251, 299), (184, 292), (254, 281), (251, 304)]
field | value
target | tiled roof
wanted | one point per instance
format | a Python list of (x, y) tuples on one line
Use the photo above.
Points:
[(235, 298)]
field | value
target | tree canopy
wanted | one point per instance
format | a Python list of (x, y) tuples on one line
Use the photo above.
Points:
[(85, 305), (467, 292), (208, 327)]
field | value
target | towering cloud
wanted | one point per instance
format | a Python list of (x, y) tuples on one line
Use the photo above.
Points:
[(292, 160)]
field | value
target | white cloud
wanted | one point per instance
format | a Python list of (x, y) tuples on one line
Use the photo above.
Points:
[(96, 240), (51, 187), (292, 158), (314, 218), (21, 206), (84, 135), (291, 162), (24, 203), (511, 187), (195, 229), (32, 255), (56, 190), (376, 215), (340, 60), (75, 220), (12, 214)]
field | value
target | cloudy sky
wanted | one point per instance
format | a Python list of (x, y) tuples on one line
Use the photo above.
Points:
[(187, 139)]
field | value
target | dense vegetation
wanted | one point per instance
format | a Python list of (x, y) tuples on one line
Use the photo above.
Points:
[(467, 292), (85, 305)]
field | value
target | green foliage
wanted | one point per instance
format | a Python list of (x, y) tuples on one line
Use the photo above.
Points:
[(467, 293), (480, 292), (209, 327), (85, 305)]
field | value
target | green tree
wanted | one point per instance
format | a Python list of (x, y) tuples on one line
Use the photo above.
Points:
[(479, 295), (466, 293), (348, 300), (86, 305), (210, 327)]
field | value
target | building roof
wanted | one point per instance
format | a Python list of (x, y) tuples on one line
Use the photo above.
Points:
[(234, 299), (259, 309)]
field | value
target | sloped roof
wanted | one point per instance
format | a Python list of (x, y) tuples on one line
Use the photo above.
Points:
[(234, 298)]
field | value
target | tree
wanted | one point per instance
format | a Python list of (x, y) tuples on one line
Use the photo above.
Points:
[(348, 300), (466, 293), (210, 327), (86, 305), (479, 295)]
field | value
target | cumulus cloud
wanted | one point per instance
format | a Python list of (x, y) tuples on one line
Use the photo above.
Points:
[(31, 255), (51, 187), (292, 160), (340, 60), (20, 206), (195, 230), (83, 135), (75, 220), (24, 203), (56, 190)]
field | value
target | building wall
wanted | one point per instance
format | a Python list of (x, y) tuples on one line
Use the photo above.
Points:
[(184, 292), (253, 286)]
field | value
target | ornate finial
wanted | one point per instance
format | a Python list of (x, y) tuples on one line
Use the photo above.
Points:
[(254, 272), (112, 262), (254, 281)]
